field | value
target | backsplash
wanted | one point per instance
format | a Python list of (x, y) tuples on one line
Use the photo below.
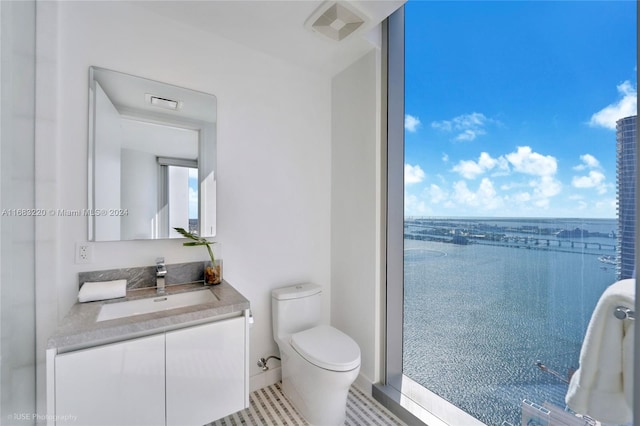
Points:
[(145, 276)]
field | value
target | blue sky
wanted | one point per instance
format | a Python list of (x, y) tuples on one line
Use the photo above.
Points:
[(511, 106), (193, 193)]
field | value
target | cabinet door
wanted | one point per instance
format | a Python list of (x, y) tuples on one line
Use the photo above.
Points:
[(205, 372), (116, 384)]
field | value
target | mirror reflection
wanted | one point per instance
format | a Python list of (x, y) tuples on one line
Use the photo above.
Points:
[(152, 158)]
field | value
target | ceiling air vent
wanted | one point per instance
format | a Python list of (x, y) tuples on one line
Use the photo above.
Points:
[(163, 102), (335, 20)]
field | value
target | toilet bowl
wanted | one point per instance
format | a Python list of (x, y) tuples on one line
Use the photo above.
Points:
[(319, 362)]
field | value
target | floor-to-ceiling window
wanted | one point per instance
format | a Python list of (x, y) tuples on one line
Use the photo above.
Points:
[(519, 192)]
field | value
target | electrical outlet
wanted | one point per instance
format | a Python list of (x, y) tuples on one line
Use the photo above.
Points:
[(84, 253)]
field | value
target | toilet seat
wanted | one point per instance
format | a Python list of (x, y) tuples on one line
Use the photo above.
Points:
[(327, 347)]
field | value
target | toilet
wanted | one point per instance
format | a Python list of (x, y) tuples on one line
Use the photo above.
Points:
[(319, 362)]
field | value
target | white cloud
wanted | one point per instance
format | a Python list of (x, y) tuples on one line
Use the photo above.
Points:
[(594, 179), (470, 169), (413, 206), (411, 123), (431, 199), (436, 194), (467, 126), (413, 174), (445, 125), (625, 106), (485, 198), (588, 162), (534, 194), (545, 187), (445, 158), (522, 197), (524, 160), (536, 191), (468, 135), (539, 195)]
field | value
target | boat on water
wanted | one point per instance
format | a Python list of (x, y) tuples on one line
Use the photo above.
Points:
[(608, 259)]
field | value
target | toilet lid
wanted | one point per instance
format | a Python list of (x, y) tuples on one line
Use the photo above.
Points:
[(327, 348)]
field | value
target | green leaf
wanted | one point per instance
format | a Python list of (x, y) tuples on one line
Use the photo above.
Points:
[(198, 241), (194, 243), (187, 234)]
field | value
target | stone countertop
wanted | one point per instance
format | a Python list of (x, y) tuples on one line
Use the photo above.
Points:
[(79, 328)]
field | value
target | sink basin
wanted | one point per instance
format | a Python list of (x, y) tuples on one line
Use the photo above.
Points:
[(159, 303)]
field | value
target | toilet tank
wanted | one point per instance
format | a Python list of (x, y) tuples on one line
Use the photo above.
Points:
[(295, 308)]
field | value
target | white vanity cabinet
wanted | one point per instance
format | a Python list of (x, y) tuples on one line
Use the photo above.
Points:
[(205, 372), (116, 384), (186, 376)]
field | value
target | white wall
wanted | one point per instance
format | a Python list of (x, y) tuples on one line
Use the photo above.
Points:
[(17, 191), (107, 131), (46, 184), (274, 144), (355, 211), (139, 173)]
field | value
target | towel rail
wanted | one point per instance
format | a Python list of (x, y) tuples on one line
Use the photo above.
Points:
[(622, 313)]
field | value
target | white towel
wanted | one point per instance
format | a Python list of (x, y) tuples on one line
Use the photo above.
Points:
[(101, 290), (602, 387)]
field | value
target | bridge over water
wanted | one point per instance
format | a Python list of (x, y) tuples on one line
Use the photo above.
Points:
[(567, 243), (513, 242)]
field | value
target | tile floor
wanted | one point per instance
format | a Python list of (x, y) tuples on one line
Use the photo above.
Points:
[(270, 407)]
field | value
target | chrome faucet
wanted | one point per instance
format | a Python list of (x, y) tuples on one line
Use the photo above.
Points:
[(161, 271)]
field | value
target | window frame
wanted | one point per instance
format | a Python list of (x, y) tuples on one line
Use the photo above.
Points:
[(163, 228), (400, 394), (394, 73)]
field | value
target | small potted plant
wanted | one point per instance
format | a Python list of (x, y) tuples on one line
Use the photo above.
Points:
[(212, 272)]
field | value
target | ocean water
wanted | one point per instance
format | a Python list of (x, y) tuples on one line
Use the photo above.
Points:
[(478, 317)]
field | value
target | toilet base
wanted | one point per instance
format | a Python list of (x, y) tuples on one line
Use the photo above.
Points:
[(319, 395)]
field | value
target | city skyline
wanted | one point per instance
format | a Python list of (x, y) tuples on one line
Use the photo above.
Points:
[(510, 107)]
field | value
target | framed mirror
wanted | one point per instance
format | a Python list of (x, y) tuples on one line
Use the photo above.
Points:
[(152, 158)]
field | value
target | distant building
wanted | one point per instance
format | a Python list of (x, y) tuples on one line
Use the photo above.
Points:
[(626, 148), (572, 233)]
